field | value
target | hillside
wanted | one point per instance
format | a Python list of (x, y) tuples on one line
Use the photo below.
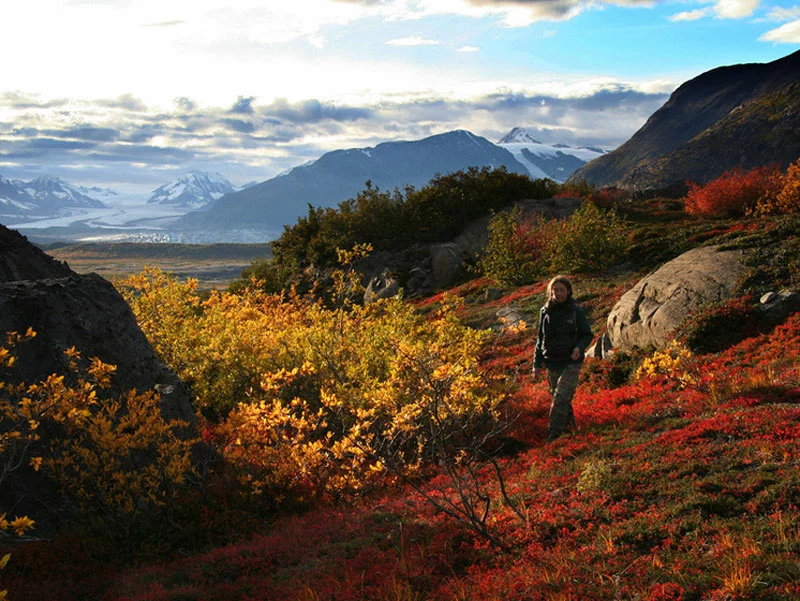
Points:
[(680, 485), (737, 116)]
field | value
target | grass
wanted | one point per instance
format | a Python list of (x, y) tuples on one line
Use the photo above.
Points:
[(213, 265)]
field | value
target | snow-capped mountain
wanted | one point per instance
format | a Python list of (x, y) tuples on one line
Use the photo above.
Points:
[(557, 161), (46, 196), (194, 189)]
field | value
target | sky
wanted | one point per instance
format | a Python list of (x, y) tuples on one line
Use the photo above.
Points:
[(130, 94)]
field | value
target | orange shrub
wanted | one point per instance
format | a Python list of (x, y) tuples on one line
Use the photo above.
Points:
[(734, 193), (786, 197)]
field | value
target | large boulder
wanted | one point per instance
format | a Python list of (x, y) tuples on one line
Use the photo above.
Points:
[(647, 314), (87, 312)]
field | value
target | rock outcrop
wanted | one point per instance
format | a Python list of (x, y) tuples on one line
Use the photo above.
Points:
[(426, 268), (647, 314), (69, 310), (21, 260), (87, 312)]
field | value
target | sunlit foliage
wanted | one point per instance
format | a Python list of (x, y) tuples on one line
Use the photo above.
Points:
[(734, 193), (329, 397)]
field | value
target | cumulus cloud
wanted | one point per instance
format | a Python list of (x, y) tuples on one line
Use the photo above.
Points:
[(243, 106), (735, 9), (413, 41), (780, 13), (785, 34), (691, 15)]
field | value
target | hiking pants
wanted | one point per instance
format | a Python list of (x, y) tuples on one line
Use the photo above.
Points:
[(563, 382)]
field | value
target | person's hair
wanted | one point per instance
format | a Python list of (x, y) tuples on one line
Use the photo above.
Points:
[(559, 279)]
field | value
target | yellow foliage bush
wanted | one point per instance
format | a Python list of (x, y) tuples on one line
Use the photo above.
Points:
[(117, 458), (316, 398), (675, 363)]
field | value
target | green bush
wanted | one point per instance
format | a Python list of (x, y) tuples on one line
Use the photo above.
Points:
[(589, 241), (521, 248), (393, 220), (513, 250)]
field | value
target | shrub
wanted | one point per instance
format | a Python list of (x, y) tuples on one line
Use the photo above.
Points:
[(590, 240), (327, 399), (118, 460), (718, 326), (785, 198), (397, 219), (732, 194), (513, 250)]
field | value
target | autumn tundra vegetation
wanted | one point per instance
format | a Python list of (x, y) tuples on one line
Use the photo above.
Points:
[(397, 449)]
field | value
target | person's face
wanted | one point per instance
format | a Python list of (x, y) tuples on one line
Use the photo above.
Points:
[(560, 292)]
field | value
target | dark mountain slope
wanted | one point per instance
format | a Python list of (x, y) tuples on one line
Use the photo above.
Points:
[(738, 116), (341, 174)]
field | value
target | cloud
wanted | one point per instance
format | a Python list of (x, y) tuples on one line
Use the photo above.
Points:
[(469, 49), (243, 106), (89, 133), (85, 142), (125, 101), (312, 111), (780, 13), (521, 13), (785, 34), (165, 24), (692, 15), (735, 9), (413, 41), (185, 104)]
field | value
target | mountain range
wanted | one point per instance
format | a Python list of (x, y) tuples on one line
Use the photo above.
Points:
[(342, 174), (216, 210), (743, 116), (45, 197)]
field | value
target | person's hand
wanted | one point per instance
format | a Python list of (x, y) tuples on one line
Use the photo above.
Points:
[(576, 353)]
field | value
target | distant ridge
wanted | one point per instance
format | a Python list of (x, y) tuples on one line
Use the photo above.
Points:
[(342, 174), (737, 116), (45, 196)]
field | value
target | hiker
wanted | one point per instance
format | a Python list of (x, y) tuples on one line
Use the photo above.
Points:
[(563, 335)]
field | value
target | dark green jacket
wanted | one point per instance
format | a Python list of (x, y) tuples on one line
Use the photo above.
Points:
[(562, 327)]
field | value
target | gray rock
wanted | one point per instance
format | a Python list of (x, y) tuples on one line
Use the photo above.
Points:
[(777, 306), (602, 349), (648, 313), (87, 312), (21, 260), (447, 265), (384, 286)]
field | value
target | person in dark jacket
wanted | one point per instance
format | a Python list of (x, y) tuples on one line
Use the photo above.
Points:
[(564, 334)]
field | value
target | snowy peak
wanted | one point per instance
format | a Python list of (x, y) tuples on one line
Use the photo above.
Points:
[(194, 189), (46, 196), (519, 135), (54, 191), (552, 161)]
